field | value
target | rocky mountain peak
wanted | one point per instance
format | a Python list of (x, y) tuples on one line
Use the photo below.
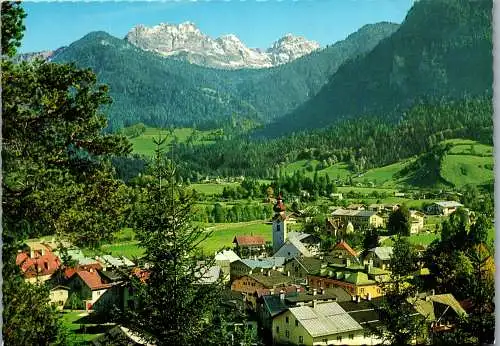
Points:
[(185, 41)]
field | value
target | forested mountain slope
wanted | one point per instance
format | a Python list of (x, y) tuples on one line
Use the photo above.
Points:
[(443, 49), (160, 91)]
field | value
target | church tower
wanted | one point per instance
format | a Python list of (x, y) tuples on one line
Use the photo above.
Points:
[(279, 224)]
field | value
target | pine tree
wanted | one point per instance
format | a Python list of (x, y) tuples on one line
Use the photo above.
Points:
[(173, 308)]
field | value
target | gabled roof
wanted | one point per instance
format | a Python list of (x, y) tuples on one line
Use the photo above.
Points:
[(344, 246), (275, 278), (295, 243), (383, 252), (69, 272), (310, 264), (298, 235), (358, 278), (92, 280), (45, 264), (449, 204), (325, 319), (227, 255), (208, 275), (249, 240)]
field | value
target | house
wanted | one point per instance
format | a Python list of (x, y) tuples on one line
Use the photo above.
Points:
[(343, 250), (293, 248), (319, 324), (207, 275), (417, 221), (249, 245), (265, 279), (38, 265), (360, 219), (443, 208), (380, 256), (440, 310), (246, 266), (223, 260), (355, 207), (88, 286), (383, 208), (58, 296), (269, 306), (300, 267)]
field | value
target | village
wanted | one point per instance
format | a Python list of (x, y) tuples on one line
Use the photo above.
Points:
[(289, 292)]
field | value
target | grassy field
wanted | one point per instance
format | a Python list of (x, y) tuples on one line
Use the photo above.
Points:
[(224, 233), (417, 239), (384, 176), (144, 145), (82, 330), (461, 170)]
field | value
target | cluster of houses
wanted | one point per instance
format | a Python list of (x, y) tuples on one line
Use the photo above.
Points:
[(298, 294), (304, 296)]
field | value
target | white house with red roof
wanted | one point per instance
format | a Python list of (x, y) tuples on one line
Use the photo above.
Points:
[(249, 245), (89, 286)]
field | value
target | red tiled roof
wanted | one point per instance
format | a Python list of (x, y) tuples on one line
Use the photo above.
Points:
[(248, 240), (69, 272), (343, 245), (45, 264), (92, 279)]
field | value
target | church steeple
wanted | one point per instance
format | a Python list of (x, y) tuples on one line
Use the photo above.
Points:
[(279, 224)]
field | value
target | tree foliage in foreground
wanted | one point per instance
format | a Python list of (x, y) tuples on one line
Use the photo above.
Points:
[(172, 307)]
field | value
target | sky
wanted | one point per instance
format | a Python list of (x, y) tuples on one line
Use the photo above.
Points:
[(258, 23)]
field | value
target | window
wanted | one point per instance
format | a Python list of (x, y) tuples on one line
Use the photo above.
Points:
[(351, 336), (362, 290), (301, 339), (286, 320), (287, 333), (277, 329), (296, 323)]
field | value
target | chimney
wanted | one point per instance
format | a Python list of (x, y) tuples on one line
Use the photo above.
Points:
[(288, 273), (261, 270), (353, 298), (32, 253), (282, 295), (369, 296), (358, 299), (315, 291), (314, 303)]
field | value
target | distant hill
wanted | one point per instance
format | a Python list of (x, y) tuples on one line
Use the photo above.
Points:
[(443, 49), (160, 92)]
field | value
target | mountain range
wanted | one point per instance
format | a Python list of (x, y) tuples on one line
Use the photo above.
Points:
[(441, 50), (186, 42), (161, 91)]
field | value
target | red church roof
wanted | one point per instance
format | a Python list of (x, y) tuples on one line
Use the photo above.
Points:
[(249, 240), (344, 246)]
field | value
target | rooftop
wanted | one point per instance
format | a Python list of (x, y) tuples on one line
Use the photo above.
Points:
[(344, 246), (227, 255), (92, 280), (449, 204), (325, 319), (383, 252), (249, 240), (272, 278)]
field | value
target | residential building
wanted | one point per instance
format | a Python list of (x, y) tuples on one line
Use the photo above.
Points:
[(89, 286), (38, 265), (108, 261), (443, 208), (249, 245), (301, 267), (417, 221), (266, 279), (343, 250), (247, 266), (58, 296), (269, 306), (383, 208), (319, 324), (360, 219), (379, 256), (357, 283), (223, 260), (440, 310)]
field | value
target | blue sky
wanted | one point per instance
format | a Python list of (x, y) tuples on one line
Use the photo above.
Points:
[(50, 25)]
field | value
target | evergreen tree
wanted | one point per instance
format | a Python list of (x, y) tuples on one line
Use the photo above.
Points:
[(173, 308), (399, 221)]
